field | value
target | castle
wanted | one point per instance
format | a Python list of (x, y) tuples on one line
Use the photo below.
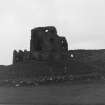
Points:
[(45, 45)]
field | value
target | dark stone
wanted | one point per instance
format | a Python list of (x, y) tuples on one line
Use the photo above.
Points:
[(45, 45)]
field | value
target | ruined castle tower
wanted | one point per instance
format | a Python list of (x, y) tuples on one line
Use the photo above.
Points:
[(45, 44), (41, 37)]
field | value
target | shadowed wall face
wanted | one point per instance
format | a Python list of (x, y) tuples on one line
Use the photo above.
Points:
[(46, 39)]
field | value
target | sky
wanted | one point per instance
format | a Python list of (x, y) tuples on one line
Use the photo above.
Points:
[(82, 22)]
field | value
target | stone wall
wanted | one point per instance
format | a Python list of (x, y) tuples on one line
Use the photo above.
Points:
[(45, 44)]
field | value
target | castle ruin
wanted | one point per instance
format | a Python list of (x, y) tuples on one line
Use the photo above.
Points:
[(45, 45)]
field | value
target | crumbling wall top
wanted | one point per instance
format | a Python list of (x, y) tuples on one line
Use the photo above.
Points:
[(46, 29)]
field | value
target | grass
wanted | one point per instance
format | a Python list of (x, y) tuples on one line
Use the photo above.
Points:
[(69, 93)]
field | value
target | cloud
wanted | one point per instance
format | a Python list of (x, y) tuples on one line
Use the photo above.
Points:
[(92, 44), (81, 21)]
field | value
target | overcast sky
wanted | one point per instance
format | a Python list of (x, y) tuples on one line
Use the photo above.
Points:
[(82, 22)]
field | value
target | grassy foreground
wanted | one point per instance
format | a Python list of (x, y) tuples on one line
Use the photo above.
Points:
[(78, 93)]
